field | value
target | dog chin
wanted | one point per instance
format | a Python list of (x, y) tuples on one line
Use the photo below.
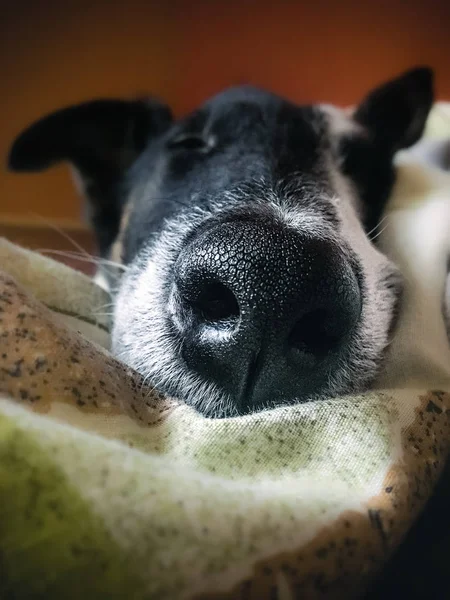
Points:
[(207, 399)]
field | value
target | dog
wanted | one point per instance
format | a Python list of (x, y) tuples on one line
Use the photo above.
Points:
[(248, 277)]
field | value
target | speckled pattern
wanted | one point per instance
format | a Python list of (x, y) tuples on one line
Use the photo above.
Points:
[(41, 505), (345, 553), (41, 360), (300, 502)]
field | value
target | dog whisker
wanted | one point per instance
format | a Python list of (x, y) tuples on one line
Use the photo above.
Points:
[(380, 222), (61, 232), (373, 238), (96, 260)]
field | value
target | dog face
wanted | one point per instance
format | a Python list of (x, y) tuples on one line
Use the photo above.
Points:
[(250, 278)]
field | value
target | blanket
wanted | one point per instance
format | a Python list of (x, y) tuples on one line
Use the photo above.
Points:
[(110, 490)]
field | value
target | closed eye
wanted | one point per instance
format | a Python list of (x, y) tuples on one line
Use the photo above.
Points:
[(195, 143)]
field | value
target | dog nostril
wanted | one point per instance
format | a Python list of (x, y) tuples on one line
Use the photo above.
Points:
[(314, 333), (216, 302)]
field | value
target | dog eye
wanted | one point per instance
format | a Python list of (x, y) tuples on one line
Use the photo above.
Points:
[(195, 143)]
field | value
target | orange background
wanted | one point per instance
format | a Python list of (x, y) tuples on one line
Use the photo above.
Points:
[(55, 53)]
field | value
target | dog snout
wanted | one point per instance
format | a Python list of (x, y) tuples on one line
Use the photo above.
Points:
[(264, 312)]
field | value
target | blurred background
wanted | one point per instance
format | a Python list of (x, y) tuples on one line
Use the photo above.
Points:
[(54, 53)]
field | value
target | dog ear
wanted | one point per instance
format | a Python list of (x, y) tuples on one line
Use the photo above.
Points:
[(395, 114), (101, 139)]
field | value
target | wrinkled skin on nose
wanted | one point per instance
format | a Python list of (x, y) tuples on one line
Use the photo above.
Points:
[(265, 311)]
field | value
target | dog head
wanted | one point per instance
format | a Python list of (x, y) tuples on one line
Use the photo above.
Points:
[(251, 279)]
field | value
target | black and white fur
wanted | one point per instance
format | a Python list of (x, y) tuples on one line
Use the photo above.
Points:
[(153, 183)]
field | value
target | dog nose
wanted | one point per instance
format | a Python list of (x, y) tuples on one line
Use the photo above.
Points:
[(265, 312)]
